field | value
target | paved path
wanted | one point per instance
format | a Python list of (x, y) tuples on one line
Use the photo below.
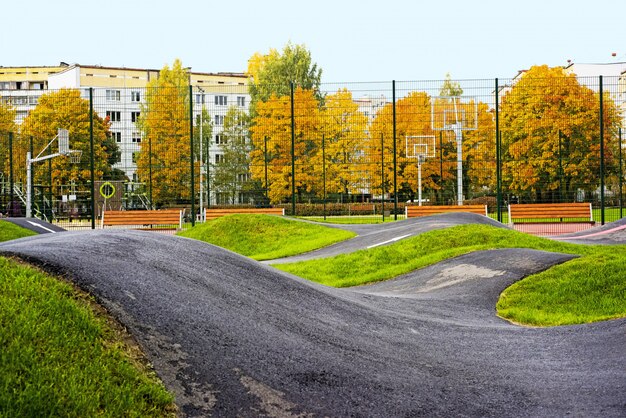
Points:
[(373, 235), (232, 337)]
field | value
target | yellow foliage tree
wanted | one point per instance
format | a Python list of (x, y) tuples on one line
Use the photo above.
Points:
[(413, 119), (272, 127), (164, 158), (550, 135), (7, 124), (345, 137), (63, 109)]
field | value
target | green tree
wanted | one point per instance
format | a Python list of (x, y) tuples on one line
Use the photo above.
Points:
[(206, 138), (271, 74), (164, 122), (232, 173), (450, 88)]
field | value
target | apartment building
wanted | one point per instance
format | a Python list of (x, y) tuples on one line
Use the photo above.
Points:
[(118, 93)]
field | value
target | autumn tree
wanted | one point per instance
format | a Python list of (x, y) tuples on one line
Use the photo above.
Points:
[(413, 120), (345, 136), (272, 132), (231, 174), (65, 109), (551, 137), (270, 74), (164, 158), (7, 124)]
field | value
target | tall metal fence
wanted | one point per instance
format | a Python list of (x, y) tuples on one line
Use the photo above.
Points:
[(350, 148)]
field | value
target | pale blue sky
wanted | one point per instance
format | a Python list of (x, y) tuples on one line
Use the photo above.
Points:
[(363, 40)]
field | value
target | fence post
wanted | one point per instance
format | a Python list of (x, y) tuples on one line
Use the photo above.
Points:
[(621, 177), (498, 156), (324, 173), (50, 213), (601, 153), (91, 162), (208, 175), (382, 174), (395, 173), (11, 179), (192, 165), (267, 188), (293, 152), (150, 172), (31, 174)]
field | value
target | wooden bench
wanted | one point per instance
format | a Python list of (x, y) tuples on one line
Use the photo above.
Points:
[(141, 219), (217, 213), (554, 212), (412, 211)]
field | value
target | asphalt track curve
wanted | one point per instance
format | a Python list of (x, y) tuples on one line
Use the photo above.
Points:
[(35, 225), (608, 234), (373, 235), (235, 338)]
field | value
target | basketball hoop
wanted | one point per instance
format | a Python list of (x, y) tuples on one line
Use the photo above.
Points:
[(420, 147), (456, 114), (75, 156)]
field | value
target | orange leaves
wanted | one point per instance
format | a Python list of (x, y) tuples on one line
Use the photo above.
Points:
[(164, 159), (550, 132), (64, 109)]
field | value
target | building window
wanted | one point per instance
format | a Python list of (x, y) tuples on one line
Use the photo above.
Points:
[(220, 139), (134, 116), (117, 136), (219, 158), (135, 157), (136, 138), (20, 100), (219, 120), (113, 95), (114, 116), (221, 100), (241, 101), (135, 96)]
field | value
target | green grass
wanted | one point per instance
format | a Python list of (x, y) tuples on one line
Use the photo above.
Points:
[(57, 358), (9, 231), (365, 219), (264, 237), (587, 289), (61, 356)]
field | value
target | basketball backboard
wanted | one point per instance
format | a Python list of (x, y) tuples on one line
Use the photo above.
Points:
[(420, 146), (450, 113)]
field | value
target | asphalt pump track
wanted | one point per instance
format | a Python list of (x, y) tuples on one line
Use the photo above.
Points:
[(233, 337)]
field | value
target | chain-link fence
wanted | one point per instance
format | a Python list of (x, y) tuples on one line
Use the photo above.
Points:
[(342, 149)]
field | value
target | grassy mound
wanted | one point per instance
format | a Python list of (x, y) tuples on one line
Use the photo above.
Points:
[(9, 231), (587, 289), (264, 237), (58, 357)]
